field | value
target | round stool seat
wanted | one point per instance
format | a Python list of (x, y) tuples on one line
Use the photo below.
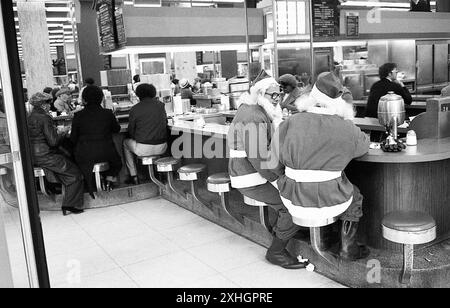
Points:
[(100, 167), (253, 202), (189, 172), (39, 172), (3, 171), (166, 164), (409, 227), (219, 182), (148, 160)]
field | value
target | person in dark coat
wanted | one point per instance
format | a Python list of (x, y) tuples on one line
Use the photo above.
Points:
[(388, 82), (44, 139), (92, 138)]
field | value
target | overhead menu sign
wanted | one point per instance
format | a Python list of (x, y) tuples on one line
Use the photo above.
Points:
[(111, 29), (352, 25), (325, 18), (120, 29), (105, 20)]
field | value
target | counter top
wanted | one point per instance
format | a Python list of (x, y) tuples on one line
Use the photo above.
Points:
[(426, 150)]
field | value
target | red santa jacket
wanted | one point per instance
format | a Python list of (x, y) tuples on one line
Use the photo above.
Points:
[(313, 150)]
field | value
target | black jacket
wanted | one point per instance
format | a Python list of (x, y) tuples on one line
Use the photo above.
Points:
[(148, 122), (44, 140), (289, 103), (92, 138), (380, 89)]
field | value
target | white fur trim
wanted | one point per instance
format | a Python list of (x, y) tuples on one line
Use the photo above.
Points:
[(237, 154), (322, 97), (311, 176), (314, 213), (248, 180), (264, 84)]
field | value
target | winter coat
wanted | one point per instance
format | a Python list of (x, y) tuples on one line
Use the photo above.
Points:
[(92, 138)]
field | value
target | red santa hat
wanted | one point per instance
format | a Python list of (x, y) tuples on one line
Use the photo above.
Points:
[(328, 88)]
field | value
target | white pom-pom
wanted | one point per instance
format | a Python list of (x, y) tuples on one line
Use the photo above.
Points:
[(301, 260), (310, 267)]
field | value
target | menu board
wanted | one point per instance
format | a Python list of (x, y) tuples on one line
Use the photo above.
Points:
[(352, 26), (120, 28), (105, 20), (325, 18)]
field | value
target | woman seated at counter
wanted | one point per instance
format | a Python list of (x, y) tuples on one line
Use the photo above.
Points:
[(44, 139), (147, 129), (92, 131)]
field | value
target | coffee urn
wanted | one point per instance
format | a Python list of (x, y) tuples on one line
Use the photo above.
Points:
[(391, 112)]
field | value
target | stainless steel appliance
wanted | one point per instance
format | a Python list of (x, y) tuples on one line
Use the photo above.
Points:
[(391, 112)]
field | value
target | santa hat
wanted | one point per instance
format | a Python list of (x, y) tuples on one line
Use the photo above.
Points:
[(328, 88)]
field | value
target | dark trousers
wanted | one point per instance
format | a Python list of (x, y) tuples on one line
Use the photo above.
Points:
[(283, 228), (66, 173)]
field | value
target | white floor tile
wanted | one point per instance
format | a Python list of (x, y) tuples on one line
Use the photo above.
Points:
[(169, 218), (117, 229), (67, 241), (98, 216), (79, 263), (113, 279), (197, 233), (175, 270), (140, 248), (228, 253), (262, 274)]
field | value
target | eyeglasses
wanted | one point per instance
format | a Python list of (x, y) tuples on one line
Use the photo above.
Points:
[(273, 95)]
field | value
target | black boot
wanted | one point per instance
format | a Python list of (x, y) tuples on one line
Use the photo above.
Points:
[(132, 180), (350, 249), (278, 255)]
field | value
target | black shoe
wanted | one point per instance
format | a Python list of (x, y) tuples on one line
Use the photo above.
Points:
[(109, 185), (350, 249), (71, 210), (278, 255), (284, 259), (132, 180)]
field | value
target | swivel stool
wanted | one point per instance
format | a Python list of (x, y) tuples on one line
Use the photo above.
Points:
[(98, 168), (190, 174), (408, 228), (168, 165), (263, 211), (149, 161), (220, 183), (40, 173)]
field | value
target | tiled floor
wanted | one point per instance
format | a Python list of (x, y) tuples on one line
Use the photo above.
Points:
[(152, 243)]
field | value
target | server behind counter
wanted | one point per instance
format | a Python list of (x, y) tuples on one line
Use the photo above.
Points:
[(388, 82)]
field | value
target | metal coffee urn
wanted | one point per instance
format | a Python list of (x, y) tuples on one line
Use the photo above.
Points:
[(391, 112)]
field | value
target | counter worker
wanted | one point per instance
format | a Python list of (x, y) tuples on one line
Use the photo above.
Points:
[(291, 91), (63, 101), (388, 82), (136, 82), (87, 82), (147, 129), (312, 149), (186, 92), (248, 139), (44, 139)]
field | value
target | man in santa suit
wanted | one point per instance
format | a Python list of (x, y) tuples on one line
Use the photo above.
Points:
[(311, 150), (249, 139)]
